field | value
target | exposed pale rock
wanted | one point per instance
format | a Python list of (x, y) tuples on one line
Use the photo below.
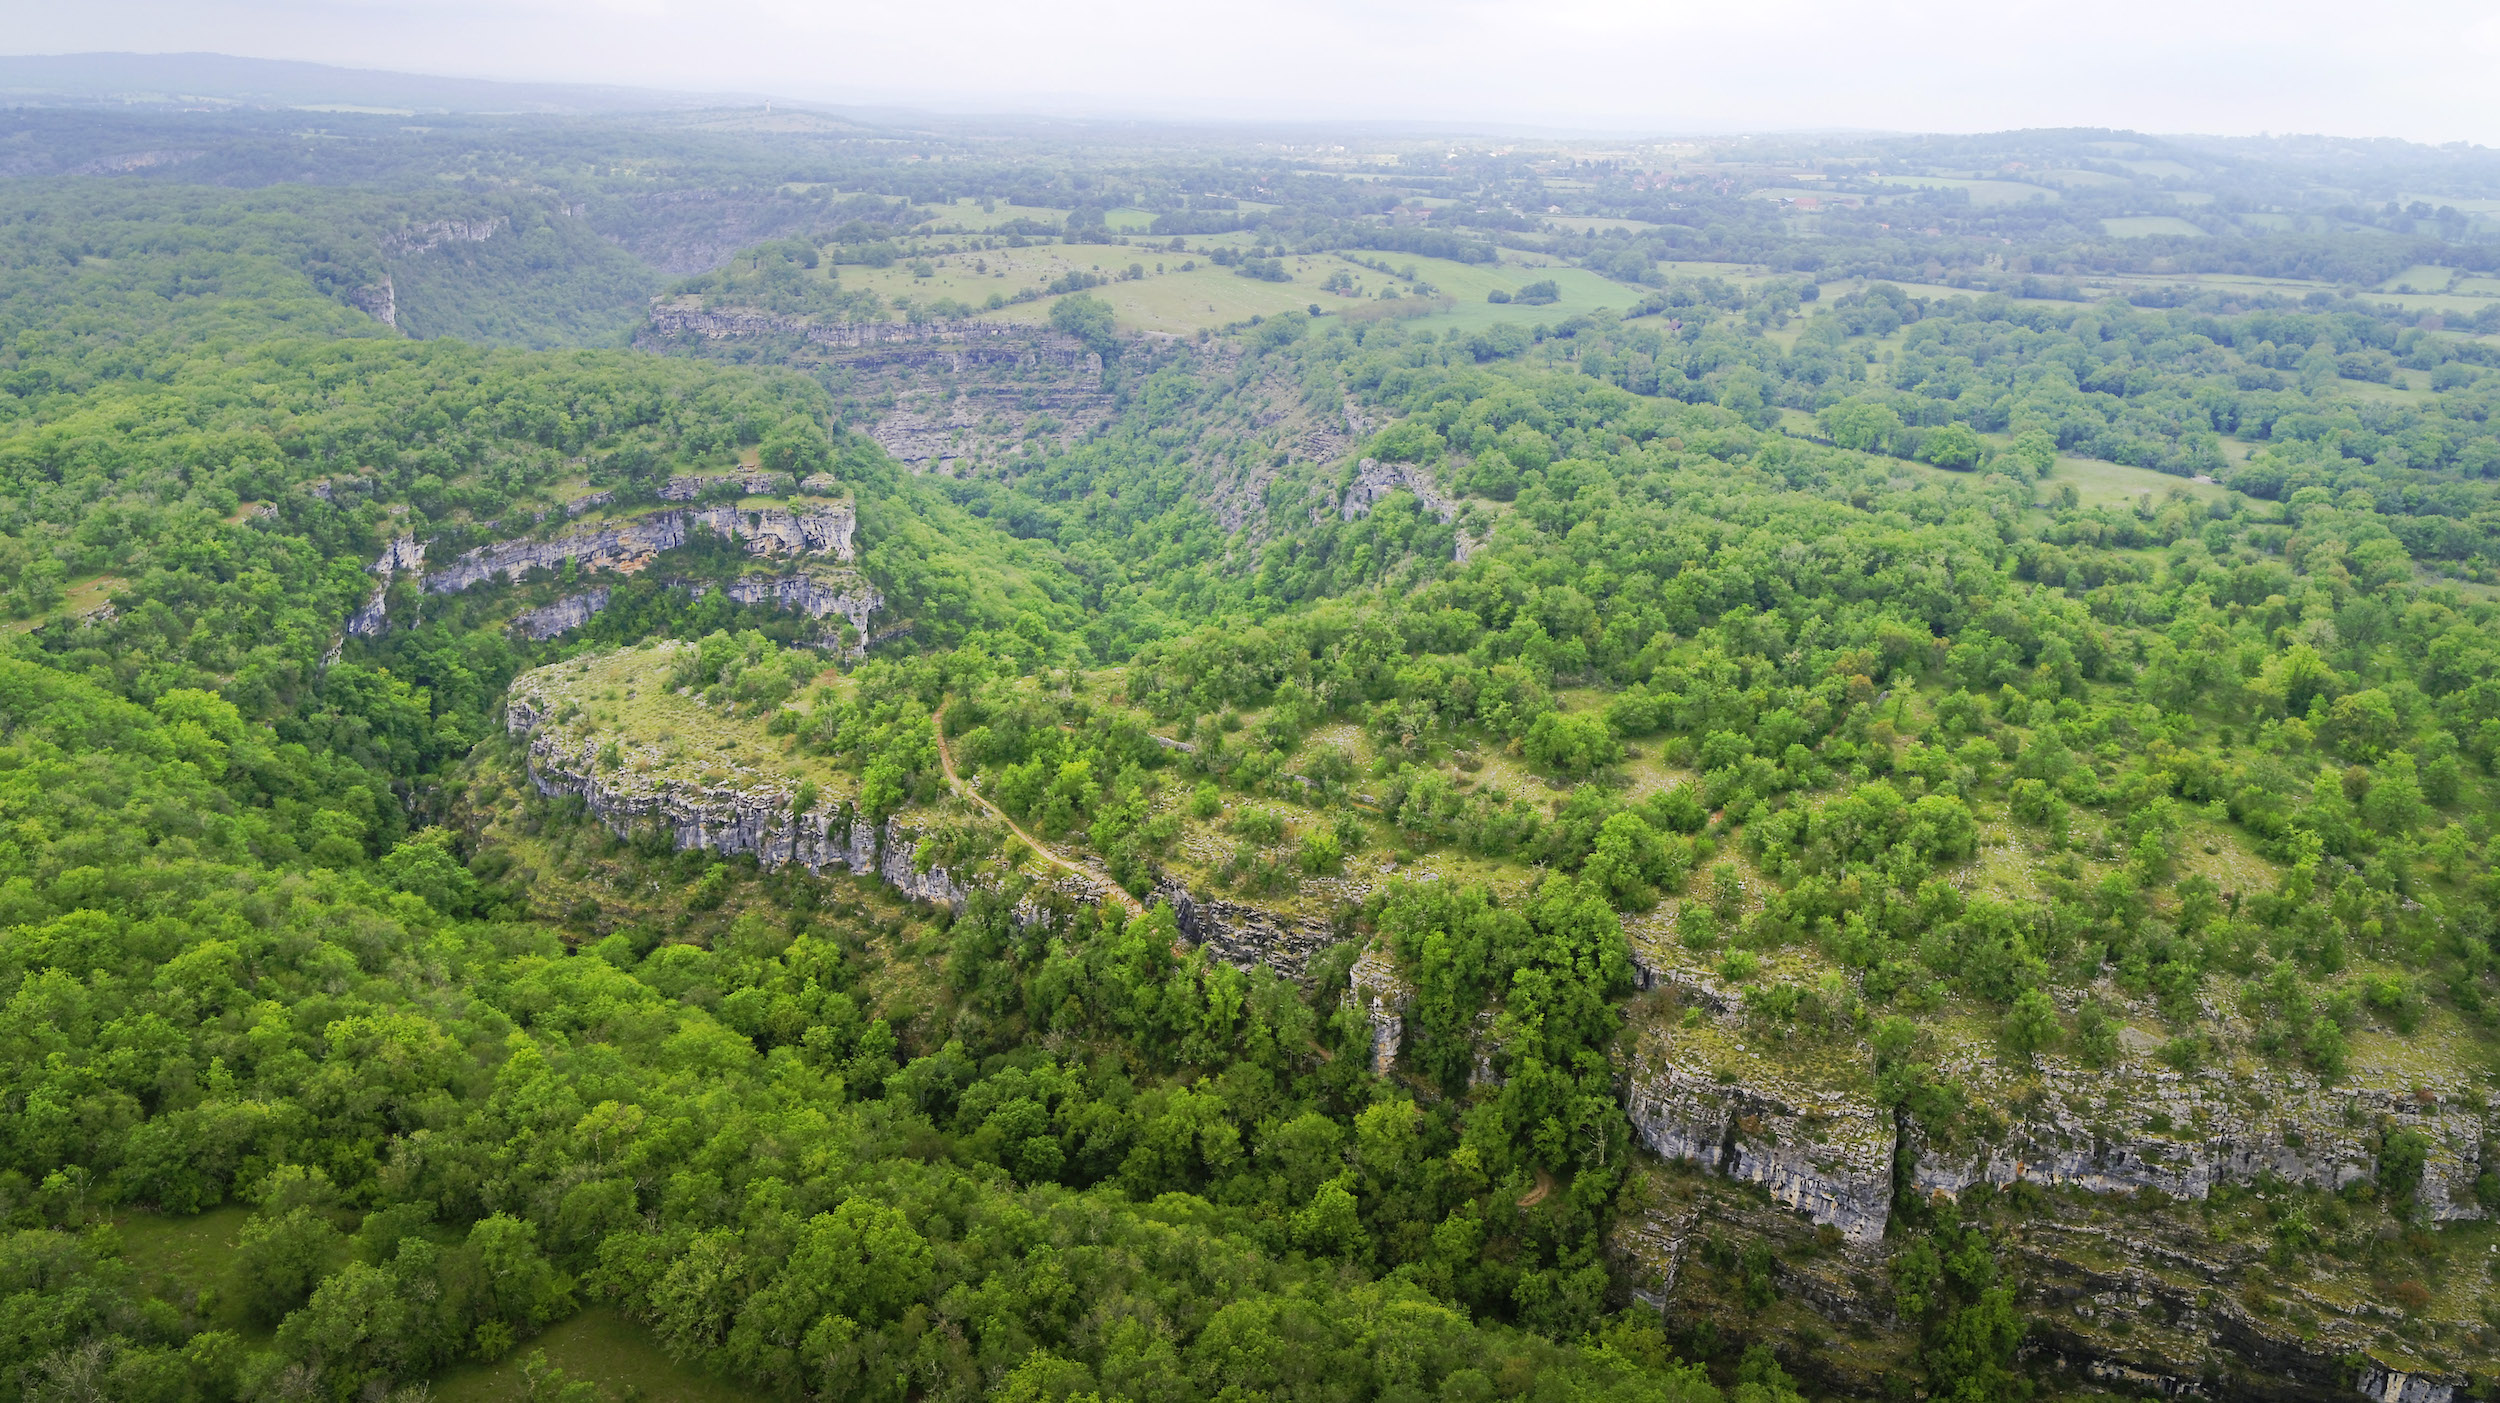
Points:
[(847, 595), (1243, 936), (754, 482), (727, 819), (1377, 990), (629, 545), (1827, 1157), (406, 553), (1374, 481), (566, 614), (2305, 1134)]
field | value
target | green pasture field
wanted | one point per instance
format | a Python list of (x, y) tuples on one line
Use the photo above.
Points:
[(1799, 192), (2137, 226), (1178, 300), (2085, 178), (2461, 206), (599, 1346), (2098, 481), (2421, 277), (1581, 224), (2160, 170), (968, 215), (1129, 220), (1982, 192)]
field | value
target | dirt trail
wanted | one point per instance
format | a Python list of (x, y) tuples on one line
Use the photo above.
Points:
[(946, 762), (1535, 1196)]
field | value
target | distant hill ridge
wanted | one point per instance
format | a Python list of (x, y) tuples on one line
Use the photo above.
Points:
[(226, 80)]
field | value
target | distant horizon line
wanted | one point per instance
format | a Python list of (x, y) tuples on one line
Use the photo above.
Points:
[(1069, 109)]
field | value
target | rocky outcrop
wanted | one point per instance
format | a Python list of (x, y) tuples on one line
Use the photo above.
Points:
[(755, 819), (1375, 988), (563, 616), (433, 234), (405, 554), (975, 336), (627, 546), (2381, 1384), (1374, 481), (846, 595), (2186, 1135), (1827, 1157), (686, 487), (587, 501), (379, 301), (1830, 1154), (1243, 936)]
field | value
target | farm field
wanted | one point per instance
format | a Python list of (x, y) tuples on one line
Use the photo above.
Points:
[(1177, 293), (2137, 226), (1981, 192)]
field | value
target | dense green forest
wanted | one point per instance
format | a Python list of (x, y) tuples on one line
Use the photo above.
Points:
[(1831, 668)]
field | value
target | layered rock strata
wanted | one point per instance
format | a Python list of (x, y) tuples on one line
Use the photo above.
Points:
[(627, 546), (563, 616), (1827, 1157), (1830, 1153), (730, 819)]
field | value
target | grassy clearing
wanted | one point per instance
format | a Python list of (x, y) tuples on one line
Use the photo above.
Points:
[(1981, 192), (967, 215), (2421, 277), (2092, 179), (2138, 226), (2099, 481), (1581, 224), (601, 1347), (663, 738), (184, 1260), (78, 598)]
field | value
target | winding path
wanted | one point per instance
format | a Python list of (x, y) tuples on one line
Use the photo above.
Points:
[(946, 762)]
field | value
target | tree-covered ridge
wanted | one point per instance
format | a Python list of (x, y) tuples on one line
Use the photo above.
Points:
[(1649, 725)]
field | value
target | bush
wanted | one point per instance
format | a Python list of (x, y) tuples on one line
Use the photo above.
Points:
[(1571, 744)]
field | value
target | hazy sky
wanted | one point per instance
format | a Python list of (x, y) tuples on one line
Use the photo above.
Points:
[(2416, 68)]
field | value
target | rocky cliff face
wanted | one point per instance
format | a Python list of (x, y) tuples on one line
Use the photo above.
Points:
[(728, 819), (1828, 1157), (1243, 936), (629, 545), (754, 817), (379, 301), (689, 486), (951, 393), (2187, 1135), (846, 595), (1829, 1152), (405, 555), (433, 234), (1374, 481), (566, 614)]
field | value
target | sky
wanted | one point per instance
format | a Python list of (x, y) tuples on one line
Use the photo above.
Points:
[(2418, 69)]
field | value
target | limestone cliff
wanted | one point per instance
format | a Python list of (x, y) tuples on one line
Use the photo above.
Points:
[(1374, 481), (747, 818), (404, 554), (566, 614), (630, 544)]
